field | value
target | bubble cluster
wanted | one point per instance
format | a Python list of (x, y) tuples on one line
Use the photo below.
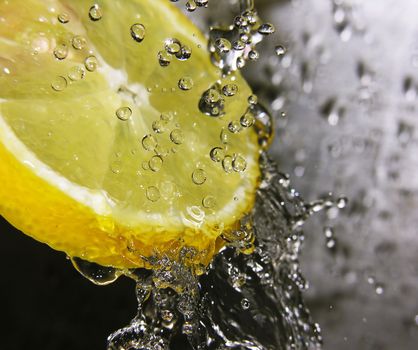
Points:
[(173, 48)]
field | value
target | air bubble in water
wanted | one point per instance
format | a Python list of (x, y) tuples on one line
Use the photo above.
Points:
[(63, 18), (177, 136), (184, 54), (185, 83), (199, 177), (124, 113), (61, 51), (91, 63), (230, 90), (138, 32), (239, 164), (247, 120), (209, 202), (217, 154), (266, 29), (234, 127), (149, 142), (191, 5), (153, 194), (280, 50), (172, 46), (59, 83), (212, 103), (76, 73), (164, 58), (155, 163), (95, 13), (223, 45), (253, 55), (227, 164), (245, 304), (159, 126), (79, 42)]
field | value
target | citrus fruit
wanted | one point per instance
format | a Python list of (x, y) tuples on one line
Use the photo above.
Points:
[(119, 139)]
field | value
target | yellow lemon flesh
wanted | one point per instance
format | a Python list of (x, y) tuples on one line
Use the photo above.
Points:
[(105, 151)]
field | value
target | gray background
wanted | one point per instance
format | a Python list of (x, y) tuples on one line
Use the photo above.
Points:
[(348, 85)]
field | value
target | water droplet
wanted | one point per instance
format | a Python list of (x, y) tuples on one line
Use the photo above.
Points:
[(191, 5), (234, 127), (227, 164), (138, 32), (149, 142), (155, 163), (124, 113), (162, 151), (209, 202), (184, 54), (159, 126), (280, 50), (212, 103), (239, 164), (199, 176), (185, 83), (63, 18), (91, 63), (245, 304), (164, 58), (79, 42), (177, 136), (217, 154), (61, 51), (266, 29), (253, 55), (172, 46), (379, 289), (223, 45), (230, 90), (153, 194), (224, 136), (187, 328), (76, 73), (59, 84), (100, 275), (247, 120), (95, 12), (253, 100)]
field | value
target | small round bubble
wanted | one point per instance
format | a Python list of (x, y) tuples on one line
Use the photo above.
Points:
[(63, 18), (164, 58), (177, 136), (153, 193), (95, 13), (79, 42), (149, 142), (239, 164), (234, 127), (199, 176), (59, 84), (266, 29), (209, 202), (227, 164), (280, 50), (155, 163), (138, 32), (91, 63), (61, 52), (217, 154), (76, 73), (124, 113), (230, 90), (185, 83)]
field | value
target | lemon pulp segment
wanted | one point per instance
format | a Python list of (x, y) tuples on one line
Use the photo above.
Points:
[(105, 153)]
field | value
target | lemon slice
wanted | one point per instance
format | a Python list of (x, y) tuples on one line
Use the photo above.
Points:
[(118, 138)]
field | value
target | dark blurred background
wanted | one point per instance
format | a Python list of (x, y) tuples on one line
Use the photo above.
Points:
[(348, 85)]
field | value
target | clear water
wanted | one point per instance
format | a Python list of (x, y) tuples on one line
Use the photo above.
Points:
[(250, 297)]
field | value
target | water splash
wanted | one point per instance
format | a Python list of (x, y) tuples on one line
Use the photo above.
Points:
[(250, 297)]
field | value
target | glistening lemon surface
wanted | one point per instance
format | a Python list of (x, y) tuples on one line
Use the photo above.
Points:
[(118, 137)]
